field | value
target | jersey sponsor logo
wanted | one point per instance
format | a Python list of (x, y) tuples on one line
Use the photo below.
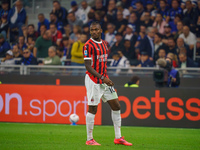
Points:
[(102, 57)]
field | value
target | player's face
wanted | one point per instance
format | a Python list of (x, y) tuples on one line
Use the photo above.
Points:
[(95, 31)]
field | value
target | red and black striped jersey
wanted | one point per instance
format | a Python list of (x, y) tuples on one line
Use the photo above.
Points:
[(97, 53)]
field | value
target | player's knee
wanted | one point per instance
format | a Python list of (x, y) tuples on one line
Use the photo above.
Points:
[(116, 107), (92, 109)]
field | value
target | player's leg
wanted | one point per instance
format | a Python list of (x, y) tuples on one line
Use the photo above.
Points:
[(90, 125), (116, 118), (90, 121)]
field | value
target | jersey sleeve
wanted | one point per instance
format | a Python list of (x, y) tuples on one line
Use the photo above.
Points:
[(87, 52)]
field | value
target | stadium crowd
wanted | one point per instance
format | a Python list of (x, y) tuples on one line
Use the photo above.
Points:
[(138, 32)]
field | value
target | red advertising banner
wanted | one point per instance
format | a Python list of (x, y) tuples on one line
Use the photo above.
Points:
[(43, 103)]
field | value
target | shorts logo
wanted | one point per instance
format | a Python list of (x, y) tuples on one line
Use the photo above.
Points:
[(92, 100), (85, 52)]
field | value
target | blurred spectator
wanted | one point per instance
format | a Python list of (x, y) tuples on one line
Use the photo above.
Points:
[(146, 44), (173, 11), (66, 47), (16, 52), (17, 17), (4, 26), (145, 61), (198, 47), (120, 22), (31, 32), (134, 82), (171, 46), (183, 3), (158, 44), (126, 3), (83, 11), (86, 30), (42, 21), (42, 45), (167, 33), (188, 37), (74, 9), (75, 36), (21, 43), (141, 35), (4, 9), (161, 54), (8, 60), (59, 11), (4, 46), (60, 54), (43, 29), (52, 58), (196, 27), (129, 35), (146, 19), (30, 43), (118, 46), (54, 20), (56, 35), (133, 6), (125, 11), (173, 23), (139, 9), (112, 11), (188, 13), (28, 58), (150, 9), (133, 20), (73, 20), (180, 44), (129, 52), (163, 9), (110, 35), (99, 7), (174, 59), (185, 61), (196, 13), (76, 51), (25, 32), (179, 27), (118, 60), (159, 23), (98, 16)]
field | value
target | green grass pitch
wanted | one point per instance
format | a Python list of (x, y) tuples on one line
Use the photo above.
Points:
[(20, 136)]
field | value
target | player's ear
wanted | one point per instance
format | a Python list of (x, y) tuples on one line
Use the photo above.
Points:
[(101, 30)]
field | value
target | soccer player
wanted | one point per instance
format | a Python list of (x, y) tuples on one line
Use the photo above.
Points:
[(98, 84)]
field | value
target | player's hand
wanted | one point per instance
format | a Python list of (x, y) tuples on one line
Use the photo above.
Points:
[(108, 82)]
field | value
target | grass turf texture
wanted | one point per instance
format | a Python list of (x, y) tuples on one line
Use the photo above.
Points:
[(19, 136)]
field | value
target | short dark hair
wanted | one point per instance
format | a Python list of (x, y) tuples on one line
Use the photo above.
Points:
[(66, 38), (95, 23), (31, 25), (40, 14), (56, 1), (53, 24), (43, 25), (134, 79), (159, 35)]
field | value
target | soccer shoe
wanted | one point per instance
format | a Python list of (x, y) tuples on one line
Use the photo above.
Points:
[(122, 141), (92, 142)]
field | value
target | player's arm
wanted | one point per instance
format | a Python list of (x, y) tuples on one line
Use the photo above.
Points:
[(96, 74)]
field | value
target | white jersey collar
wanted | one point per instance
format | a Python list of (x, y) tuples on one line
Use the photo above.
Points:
[(96, 41)]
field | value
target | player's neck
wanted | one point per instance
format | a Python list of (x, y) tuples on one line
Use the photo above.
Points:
[(97, 39)]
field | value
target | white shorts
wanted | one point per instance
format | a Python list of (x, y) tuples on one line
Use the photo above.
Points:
[(95, 92)]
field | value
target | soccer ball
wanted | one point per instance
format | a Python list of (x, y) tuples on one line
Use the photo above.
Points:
[(73, 118)]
